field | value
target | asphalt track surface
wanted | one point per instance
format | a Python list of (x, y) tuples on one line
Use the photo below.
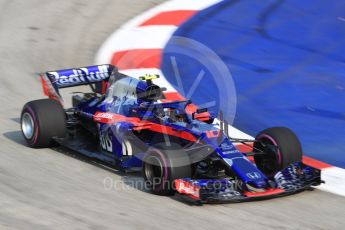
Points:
[(50, 189)]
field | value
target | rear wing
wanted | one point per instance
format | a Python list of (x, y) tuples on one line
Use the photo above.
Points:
[(52, 81)]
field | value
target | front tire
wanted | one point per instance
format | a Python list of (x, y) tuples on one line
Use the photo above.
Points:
[(41, 120), (162, 165), (281, 147)]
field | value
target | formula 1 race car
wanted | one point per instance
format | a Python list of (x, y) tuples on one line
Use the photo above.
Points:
[(127, 123)]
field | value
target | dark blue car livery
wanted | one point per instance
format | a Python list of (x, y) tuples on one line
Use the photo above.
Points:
[(128, 123)]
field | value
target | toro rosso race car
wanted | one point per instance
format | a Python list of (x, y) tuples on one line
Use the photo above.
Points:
[(127, 123)]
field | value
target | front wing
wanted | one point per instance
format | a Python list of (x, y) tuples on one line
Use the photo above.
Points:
[(293, 179)]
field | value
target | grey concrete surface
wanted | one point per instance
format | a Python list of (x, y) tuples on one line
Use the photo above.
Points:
[(48, 189)]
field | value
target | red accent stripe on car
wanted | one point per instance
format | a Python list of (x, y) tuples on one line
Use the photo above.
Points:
[(44, 87), (164, 129), (109, 118), (244, 148), (137, 58), (185, 187), (268, 192), (174, 17)]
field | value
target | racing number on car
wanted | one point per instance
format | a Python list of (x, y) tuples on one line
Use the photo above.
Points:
[(105, 141), (127, 148)]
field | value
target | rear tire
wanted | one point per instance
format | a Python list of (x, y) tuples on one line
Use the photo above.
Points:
[(282, 148), (162, 165), (41, 120)]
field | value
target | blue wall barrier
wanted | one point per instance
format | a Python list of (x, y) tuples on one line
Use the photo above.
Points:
[(287, 60)]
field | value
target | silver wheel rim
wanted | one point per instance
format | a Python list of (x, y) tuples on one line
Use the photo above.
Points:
[(153, 161), (28, 126)]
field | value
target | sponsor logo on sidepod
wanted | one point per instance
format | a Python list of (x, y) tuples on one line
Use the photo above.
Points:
[(79, 76), (253, 175), (100, 116)]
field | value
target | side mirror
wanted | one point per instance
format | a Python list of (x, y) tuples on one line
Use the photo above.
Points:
[(198, 111), (204, 110)]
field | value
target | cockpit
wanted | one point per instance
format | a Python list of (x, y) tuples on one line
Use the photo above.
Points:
[(136, 98), (171, 115), (169, 112)]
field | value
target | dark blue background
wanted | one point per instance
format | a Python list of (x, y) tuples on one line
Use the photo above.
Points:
[(287, 59)]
